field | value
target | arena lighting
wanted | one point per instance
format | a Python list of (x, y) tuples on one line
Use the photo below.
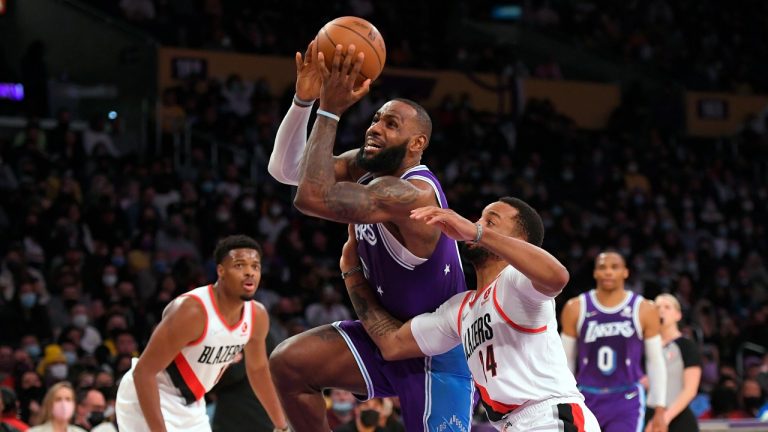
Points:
[(3, 6), (11, 91)]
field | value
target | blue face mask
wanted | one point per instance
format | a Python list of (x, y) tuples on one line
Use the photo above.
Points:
[(160, 267), (343, 407), (71, 357), (34, 351), (118, 261), (28, 300)]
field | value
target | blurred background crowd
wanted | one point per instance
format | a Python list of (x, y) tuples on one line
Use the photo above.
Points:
[(705, 44), (96, 238)]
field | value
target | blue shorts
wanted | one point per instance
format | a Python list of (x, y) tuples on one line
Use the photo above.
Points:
[(436, 393)]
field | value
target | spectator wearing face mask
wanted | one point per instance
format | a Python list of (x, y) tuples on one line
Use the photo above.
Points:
[(91, 405), (53, 366), (31, 345), (79, 317), (724, 401), (341, 408), (389, 420), (58, 410), (30, 396), (329, 309), (752, 398), (29, 314), (366, 419)]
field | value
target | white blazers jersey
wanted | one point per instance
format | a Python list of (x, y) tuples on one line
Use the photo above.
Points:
[(510, 339), (199, 365)]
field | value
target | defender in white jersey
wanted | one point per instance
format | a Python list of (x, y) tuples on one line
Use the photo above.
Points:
[(507, 326), (202, 332)]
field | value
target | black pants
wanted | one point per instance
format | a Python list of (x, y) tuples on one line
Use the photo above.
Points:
[(684, 422)]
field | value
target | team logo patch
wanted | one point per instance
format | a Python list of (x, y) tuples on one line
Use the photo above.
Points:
[(244, 328), (627, 312)]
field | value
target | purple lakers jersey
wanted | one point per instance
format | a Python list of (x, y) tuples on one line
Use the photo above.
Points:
[(409, 285), (610, 342)]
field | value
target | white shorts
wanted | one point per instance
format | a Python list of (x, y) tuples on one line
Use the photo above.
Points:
[(554, 415), (177, 415)]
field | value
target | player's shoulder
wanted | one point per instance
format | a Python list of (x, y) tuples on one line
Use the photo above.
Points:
[(259, 310), (573, 303), (183, 306), (646, 304), (454, 303)]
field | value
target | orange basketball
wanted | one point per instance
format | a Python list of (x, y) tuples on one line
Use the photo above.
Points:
[(366, 38)]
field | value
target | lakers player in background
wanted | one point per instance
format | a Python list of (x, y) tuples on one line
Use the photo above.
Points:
[(201, 333), (507, 326), (606, 332)]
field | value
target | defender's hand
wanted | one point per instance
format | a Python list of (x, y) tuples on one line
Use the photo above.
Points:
[(451, 223)]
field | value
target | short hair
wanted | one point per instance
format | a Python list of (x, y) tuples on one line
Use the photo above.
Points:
[(422, 116), (611, 251), (527, 219), (230, 243)]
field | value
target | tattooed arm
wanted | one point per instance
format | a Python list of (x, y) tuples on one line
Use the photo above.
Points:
[(319, 192), (393, 337), (426, 334)]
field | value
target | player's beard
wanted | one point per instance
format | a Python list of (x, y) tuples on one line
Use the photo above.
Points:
[(476, 255), (388, 160), (246, 297)]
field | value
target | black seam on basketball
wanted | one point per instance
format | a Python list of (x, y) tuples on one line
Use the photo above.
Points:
[(378, 58), (329, 37)]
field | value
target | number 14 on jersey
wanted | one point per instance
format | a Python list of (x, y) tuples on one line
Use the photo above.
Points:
[(488, 362)]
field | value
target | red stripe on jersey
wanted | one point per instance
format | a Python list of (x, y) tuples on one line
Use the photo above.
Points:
[(484, 291), (578, 416), (253, 318), (463, 303), (190, 379), (221, 317), (513, 324), (499, 407), (205, 311)]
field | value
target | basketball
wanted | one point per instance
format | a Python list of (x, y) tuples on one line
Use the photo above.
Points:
[(364, 35)]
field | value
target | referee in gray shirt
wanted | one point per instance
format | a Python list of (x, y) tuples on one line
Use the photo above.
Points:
[(683, 367)]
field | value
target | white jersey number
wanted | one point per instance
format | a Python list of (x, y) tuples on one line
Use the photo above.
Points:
[(606, 360)]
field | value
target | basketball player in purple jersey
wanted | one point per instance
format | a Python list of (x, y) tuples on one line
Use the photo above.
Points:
[(605, 333), (413, 266)]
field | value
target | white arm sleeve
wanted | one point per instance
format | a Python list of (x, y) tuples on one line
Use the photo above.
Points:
[(570, 347), (437, 332), (289, 145), (657, 372)]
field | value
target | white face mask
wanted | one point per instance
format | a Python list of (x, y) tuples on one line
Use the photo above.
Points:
[(80, 320), (109, 280), (58, 370)]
